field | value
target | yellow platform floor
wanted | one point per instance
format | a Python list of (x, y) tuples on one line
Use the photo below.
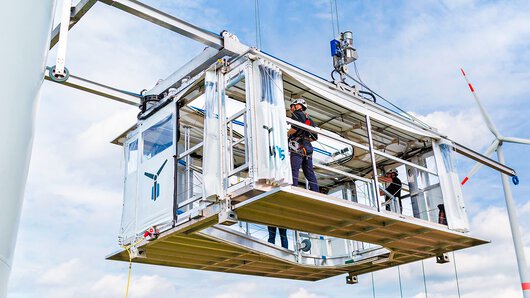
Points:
[(199, 244)]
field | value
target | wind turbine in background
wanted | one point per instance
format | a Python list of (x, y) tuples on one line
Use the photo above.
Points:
[(496, 145)]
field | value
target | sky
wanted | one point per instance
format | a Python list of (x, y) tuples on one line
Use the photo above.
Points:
[(409, 51)]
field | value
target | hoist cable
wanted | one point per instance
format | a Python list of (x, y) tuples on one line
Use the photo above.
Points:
[(389, 102), (456, 275), (424, 279), (332, 19), (258, 24), (400, 287), (373, 286), (337, 16)]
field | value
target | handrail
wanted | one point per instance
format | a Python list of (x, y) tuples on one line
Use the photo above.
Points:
[(355, 144), (191, 150), (330, 169)]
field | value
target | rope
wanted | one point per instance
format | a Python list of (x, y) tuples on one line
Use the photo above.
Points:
[(258, 24), (387, 101), (127, 248), (332, 19), (399, 278), (337, 16), (456, 275), (373, 286), (424, 280)]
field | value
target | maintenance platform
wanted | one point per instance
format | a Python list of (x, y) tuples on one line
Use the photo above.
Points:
[(207, 170)]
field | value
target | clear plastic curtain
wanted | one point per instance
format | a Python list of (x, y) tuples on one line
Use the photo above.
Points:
[(451, 189), (211, 169), (272, 150)]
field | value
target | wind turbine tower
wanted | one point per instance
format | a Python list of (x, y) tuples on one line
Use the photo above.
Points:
[(496, 145), (26, 38)]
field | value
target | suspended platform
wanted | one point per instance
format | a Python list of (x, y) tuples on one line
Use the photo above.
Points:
[(206, 245)]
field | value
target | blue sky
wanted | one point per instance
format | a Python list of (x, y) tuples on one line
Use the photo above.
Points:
[(409, 51)]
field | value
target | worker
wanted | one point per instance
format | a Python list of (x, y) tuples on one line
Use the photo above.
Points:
[(283, 236), (300, 145), (301, 152), (393, 188), (442, 218)]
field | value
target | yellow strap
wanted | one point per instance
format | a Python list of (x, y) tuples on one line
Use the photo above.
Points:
[(127, 248)]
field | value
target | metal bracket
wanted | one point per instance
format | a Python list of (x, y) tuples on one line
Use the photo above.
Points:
[(58, 72), (442, 259), (231, 43), (227, 216), (351, 279), (137, 253)]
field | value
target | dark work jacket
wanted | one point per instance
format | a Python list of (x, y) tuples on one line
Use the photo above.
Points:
[(299, 116), (301, 135), (394, 188)]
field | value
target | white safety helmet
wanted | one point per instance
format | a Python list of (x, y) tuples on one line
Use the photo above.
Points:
[(392, 171), (300, 101)]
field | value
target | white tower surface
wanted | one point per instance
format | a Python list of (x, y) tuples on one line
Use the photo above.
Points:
[(26, 27)]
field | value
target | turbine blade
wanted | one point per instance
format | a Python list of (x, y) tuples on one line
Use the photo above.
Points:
[(477, 165), (160, 170), (485, 115), (149, 175), (516, 140)]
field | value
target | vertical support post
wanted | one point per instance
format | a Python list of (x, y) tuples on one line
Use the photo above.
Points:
[(223, 128), (372, 157), (250, 129), (516, 234), (245, 132), (231, 147), (189, 181), (25, 43), (63, 37), (416, 202)]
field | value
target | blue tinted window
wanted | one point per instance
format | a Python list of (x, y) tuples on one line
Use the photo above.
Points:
[(158, 137)]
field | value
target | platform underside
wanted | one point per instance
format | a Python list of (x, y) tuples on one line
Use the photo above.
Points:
[(303, 210), (203, 245), (198, 251)]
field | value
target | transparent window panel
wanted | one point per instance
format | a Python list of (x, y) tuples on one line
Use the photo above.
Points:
[(158, 137), (132, 157)]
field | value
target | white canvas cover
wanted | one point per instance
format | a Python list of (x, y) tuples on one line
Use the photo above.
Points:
[(154, 206), (130, 193), (211, 169), (272, 149), (451, 189)]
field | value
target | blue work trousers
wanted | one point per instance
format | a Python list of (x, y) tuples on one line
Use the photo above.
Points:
[(306, 162), (283, 236)]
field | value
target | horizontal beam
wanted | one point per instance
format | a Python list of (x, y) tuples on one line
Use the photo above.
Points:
[(355, 144), (190, 69), (483, 159), (77, 13), (346, 174), (167, 21), (100, 89)]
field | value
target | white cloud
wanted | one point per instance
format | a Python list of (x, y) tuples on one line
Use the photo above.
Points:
[(238, 290), (61, 274), (466, 127), (303, 293), (492, 222)]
